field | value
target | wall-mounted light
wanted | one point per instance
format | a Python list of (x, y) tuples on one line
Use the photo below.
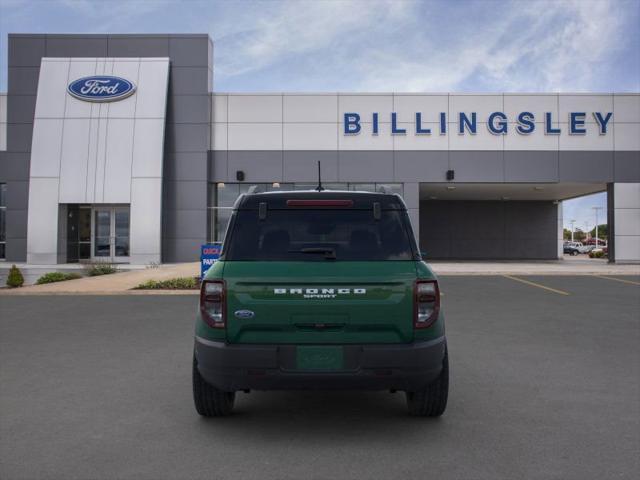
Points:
[(275, 185), (451, 187), (220, 185), (538, 188)]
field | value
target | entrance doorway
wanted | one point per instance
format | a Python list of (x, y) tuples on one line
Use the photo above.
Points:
[(97, 233), (110, 234)]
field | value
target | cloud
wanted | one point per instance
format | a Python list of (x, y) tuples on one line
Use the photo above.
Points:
[(412, 46)]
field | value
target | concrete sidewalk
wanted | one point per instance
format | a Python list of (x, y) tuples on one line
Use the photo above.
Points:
[(568, 266), (124, 282), (116, 283)]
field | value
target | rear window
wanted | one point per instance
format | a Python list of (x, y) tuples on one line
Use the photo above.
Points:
[(319, 235)]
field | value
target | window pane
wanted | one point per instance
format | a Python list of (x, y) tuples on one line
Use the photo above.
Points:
[(227, 194), (3, 194), (2, 250), (307, 235), (363, 187)]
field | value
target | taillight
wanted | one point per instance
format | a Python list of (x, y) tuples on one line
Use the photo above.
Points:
[(426, 303), (212, 303)]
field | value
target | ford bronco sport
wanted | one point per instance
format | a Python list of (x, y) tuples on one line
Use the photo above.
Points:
[(320, 290)]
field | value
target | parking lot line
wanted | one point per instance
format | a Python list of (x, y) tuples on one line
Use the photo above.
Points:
[(534, 284), (618, 279)]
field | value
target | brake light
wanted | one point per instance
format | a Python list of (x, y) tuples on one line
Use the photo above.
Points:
[(426, 303), (212, 303), (319, 203)]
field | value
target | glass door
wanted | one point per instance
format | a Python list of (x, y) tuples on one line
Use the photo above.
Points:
[(111, 234)]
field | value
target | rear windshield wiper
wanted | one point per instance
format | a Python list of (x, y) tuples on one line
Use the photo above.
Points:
[(329, 253)]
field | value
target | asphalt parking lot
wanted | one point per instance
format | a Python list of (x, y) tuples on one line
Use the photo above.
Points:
[(545, 385)]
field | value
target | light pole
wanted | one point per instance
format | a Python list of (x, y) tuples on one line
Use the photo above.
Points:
[(572, 222), (596, 209)]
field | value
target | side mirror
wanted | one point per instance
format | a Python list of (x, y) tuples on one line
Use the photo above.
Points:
[(423, 255)]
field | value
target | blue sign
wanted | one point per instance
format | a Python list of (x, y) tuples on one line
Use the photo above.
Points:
[(497, 123), (101, 88), (209, 254)]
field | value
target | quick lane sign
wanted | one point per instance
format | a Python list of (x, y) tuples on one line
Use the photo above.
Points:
[(467, 123), (209, 254)]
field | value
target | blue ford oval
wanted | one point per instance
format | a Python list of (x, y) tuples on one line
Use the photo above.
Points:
[(101, 88)]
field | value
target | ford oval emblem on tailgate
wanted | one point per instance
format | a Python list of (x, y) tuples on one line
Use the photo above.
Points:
[(244, 314)]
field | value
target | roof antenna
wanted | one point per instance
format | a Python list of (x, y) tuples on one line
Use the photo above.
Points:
[(319, 188)]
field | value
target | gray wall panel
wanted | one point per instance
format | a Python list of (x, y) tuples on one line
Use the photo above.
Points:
[(365, 166), (182, 249), (529, 166), (488, 230), (17, 194), (187, 137), (188, 109), (19, 137), (76, 46), (626, 166), (429, 166), (17, 247), (258, 166), (138, 46), (26, 50), (186, 223), (218, 167), (22, 108), (15, 167), (185, 166), (16, 222), (302, 166), (188, 80), (189, 51), (477, 166), (586, 166), (23, 80), (185, 195)]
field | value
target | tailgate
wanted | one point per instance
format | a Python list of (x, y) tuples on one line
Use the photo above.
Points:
[(320, 302)]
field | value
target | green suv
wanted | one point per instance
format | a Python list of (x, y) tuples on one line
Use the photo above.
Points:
[(320, 290)]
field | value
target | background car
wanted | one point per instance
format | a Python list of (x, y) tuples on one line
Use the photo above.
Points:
[(571, 249)]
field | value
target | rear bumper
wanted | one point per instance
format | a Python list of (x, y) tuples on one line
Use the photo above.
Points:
[(409, 367)]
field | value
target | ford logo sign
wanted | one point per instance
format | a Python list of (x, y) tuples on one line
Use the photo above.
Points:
[(101, 88), (244, 314)]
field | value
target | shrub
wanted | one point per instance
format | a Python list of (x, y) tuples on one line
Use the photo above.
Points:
[(596, 254), (52, 277), (100, 269), (15, 278), (181, 283)]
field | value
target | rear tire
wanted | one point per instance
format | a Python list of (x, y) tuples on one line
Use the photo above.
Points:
[(209, 401), (574, 253), (432, 401)]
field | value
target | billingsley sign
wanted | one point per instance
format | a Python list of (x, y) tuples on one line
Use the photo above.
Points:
[(497, 123)]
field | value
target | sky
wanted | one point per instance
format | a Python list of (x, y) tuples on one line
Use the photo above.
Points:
[(378, 45)]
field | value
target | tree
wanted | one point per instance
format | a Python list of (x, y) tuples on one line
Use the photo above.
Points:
[(15, 278), (603, 231), (578, 235)]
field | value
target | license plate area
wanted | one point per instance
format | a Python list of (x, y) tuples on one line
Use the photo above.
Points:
[(314, 358)]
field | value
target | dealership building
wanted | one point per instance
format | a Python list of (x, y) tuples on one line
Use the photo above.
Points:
[(117, 148)]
